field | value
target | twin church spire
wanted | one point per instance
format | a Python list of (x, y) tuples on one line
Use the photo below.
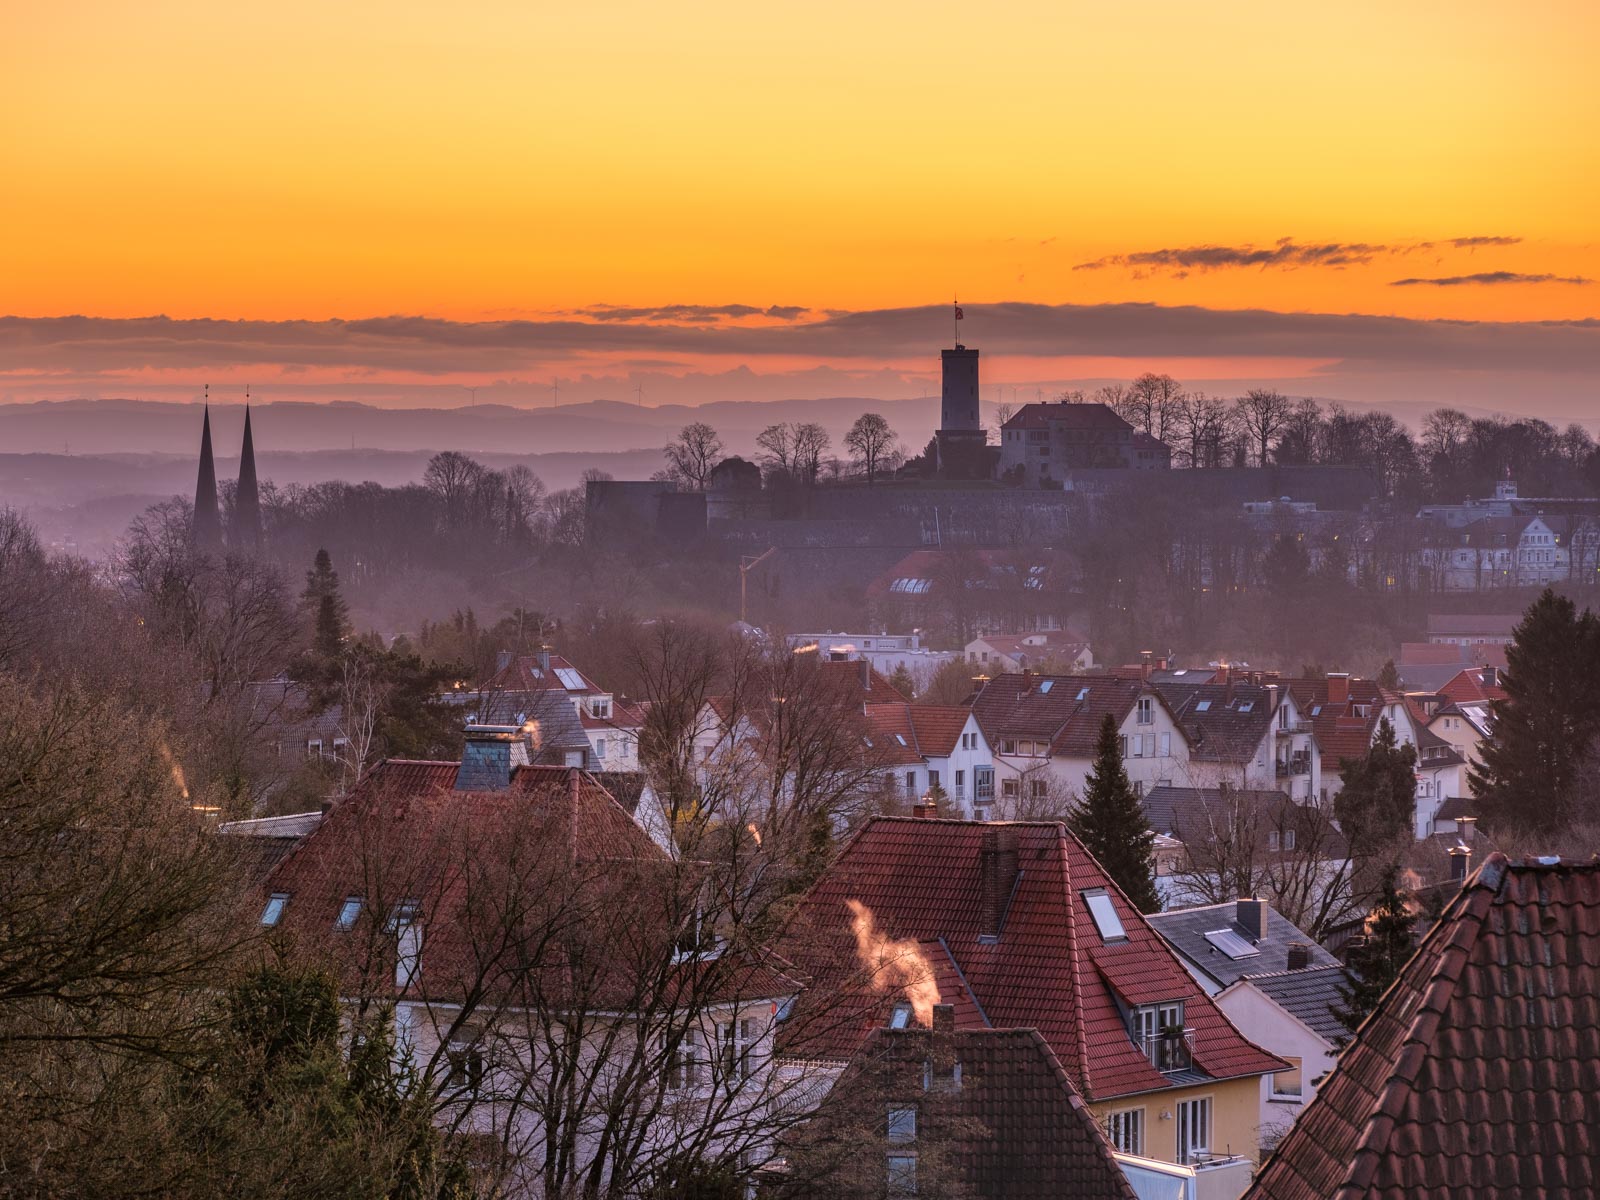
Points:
[(244, 528)]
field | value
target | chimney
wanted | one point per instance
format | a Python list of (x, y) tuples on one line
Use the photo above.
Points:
[(1146, 662), (544, 659), (490, 755), (1338, 687), (1460, 863), (502, 660), (944, 1019), (1272, 697), (1491, 677), (1299, 956), (1468, 828), (925, 811), (866, 674), (1252, 914), (1223, 674), (574, 802), (999, 869)]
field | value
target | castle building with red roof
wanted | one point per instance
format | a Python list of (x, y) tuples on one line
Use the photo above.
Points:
[(1017, 927)]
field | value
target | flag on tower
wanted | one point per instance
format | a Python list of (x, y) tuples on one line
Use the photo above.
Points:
[(959, 313)]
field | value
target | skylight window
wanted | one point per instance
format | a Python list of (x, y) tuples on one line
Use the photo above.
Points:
[(1047, 685), (1231, 944), (1105, 915), (1083, 694), (900, 737), (273, 912), (348, 912), (901, 1017), (1203, 706), (1246, 706)]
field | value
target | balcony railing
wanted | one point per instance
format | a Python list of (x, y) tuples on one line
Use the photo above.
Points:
[(1170, 1050), (1293, 728), (1293, 766)]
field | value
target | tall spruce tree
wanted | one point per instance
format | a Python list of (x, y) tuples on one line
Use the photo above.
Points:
[(1377, 803), (1545, 728), (1111, 824), (1376, 964), (321, 599)]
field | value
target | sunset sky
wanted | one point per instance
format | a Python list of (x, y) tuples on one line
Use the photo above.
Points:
[(764, 200)]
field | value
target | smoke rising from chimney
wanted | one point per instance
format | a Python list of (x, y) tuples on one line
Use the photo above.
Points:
[(894, 965)]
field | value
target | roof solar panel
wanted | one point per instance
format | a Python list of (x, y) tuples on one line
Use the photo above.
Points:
[(1231, 944)]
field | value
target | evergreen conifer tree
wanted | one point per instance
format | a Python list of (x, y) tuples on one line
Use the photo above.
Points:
[(1377, 804), (330, 618), (1546, 727), (903, 683), (1377, 964), (1112, 826)]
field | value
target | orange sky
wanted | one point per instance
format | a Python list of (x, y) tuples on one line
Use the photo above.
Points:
[(499, 158)]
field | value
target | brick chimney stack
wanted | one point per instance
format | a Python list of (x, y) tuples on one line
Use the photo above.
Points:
[(944, 1019), (999, 867), (1338, 687)]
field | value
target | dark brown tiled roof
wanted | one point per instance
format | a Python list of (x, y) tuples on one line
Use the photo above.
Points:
[(1015, 1127), (1222, 722), (1041, 415), (1049, 969), (1479, 1073), (1047, 707)]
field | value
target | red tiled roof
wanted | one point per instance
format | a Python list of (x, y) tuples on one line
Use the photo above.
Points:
[(1015, 1128), (525, 674), (1047, 707), (1049, 969), (1340, 731), (927, 730), (1040, 415), (405, 835), (1468, 685), (1479, 1073)]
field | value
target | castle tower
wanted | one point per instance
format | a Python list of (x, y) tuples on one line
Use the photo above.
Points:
[(206, 531), (246, 532), (958, 411)]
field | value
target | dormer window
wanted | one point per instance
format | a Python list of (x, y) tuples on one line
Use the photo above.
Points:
[(273, 912), (1158, 1030), (600, 707)]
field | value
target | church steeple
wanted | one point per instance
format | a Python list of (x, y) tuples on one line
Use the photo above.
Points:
[(246, 531), (206, 531)]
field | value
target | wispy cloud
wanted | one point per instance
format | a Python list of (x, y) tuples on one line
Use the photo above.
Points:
[(1488, 277), (1284, 254), (695, 314), (425, 346)]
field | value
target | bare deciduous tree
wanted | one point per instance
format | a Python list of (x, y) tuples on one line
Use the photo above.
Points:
[(1262, 413), (693, 453), (871, 441)]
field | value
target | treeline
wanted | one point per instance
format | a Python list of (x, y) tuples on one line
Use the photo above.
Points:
[(1454, 455)]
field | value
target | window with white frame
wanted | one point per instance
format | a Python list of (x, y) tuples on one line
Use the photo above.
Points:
[(961, 778), (1146, 711), (464, 1061), (273, 912), (1166, 745), (1286, 1085), (1125, 1129), (1038, 788), (599, 747), (683, 1067), (1009, 789), (1194, 1129), (738, 1043)]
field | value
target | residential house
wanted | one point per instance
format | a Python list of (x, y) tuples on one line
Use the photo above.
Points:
[(934, 750), (1473, 629), (1016, 926), (602, 733), (1240, 842), (1273, 980), (1479, 1072), (1345, 715), (1441, 774), (1062, 650), (1043, 730), (968, 588), (466, 900), (887, 652), (1248, 735), (1428, 666), (978, 1111), (1042, 444)]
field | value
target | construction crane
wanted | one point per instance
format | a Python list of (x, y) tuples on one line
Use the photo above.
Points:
[(747, 563)]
